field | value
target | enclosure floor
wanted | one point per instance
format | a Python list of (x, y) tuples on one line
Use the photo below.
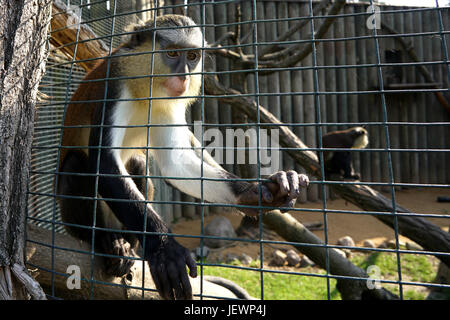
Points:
[(358, 226)]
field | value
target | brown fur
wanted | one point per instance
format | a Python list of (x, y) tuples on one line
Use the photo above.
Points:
[(341, 139), (80, 114)]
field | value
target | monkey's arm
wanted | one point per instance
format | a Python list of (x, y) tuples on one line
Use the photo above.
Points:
[(203, 178), (346, 160), (167, 258)]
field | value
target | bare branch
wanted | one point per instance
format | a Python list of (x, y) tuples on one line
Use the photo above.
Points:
[(428, 235), (351, 289), (72, 251), (409, 49), (291, 31), (288, 57), (64, 37), (295, 58), (223, 38), (33, 287)]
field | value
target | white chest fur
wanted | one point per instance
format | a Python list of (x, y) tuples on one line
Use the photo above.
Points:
[(131, 131), (170, 138)]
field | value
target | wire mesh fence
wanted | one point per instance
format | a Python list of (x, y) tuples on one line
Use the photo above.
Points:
[(276, 77)]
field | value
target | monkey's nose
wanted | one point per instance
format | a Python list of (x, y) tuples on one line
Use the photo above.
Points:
[(177, 85)]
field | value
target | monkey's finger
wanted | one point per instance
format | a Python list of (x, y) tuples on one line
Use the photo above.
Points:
[(192, 265), (170, 280), (266, 195), (186, 284), (175, 281), (252, 195), (167, 287), (159, 276), (303, 180), (282, 180), (156, 279), (288, 205), (293, 183), (187, 289)]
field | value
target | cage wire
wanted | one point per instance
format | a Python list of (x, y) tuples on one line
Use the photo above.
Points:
[(375, 65)]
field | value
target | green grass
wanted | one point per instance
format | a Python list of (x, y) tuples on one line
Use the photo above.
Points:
[(279, 286), (414, 268)]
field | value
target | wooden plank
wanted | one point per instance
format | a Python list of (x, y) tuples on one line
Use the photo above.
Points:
[(211, 105), (351, 76), (439, 113), (285, 86), (246, 33), (394, 100), (273, 81), (374, 106), (363, 106), (261, 34), (384, 156), (330, 86), (297, 99), (341, 83), (445, 79), (425, 43), (222, 64), (418, 103), (322, 98), (414, 116), (309, 107)]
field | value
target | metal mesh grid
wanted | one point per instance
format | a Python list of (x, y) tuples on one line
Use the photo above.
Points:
[(336, 80)]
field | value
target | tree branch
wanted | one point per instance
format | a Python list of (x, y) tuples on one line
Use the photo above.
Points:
[(71, 251), (295, 58), (351, 289), (409, 49), (64, 37), (297, 27), (292, 55), (427, 234)]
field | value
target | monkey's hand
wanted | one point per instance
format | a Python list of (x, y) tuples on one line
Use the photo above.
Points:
[(168, 268), (282, 191)]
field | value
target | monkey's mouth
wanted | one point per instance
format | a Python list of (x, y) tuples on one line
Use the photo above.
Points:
[(176, 86), (176, 93)]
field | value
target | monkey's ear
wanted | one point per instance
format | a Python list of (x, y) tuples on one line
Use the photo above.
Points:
[(138, 34)]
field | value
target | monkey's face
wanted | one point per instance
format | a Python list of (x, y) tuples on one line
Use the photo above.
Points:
[(180, 63), (174, 67), (179, 41), (360, 138)]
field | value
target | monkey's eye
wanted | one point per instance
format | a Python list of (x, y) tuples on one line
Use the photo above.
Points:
[(173, 54), (193, 55)]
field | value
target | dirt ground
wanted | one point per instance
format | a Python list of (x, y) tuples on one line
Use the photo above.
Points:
[(358, 226)]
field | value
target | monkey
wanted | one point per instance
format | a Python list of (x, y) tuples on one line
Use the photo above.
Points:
[(338, 164), (132, 106)]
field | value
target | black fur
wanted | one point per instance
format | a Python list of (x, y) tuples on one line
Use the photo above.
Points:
[(104, 177), (78, 212), (338, 164), (341, 165), (123, 195)]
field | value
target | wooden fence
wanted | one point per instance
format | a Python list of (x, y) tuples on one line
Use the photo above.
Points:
[(342, 80), (349, 88)]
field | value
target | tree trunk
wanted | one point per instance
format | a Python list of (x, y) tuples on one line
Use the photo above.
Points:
[(352, 285), (96, 284), (420, 230), (23, 32)]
